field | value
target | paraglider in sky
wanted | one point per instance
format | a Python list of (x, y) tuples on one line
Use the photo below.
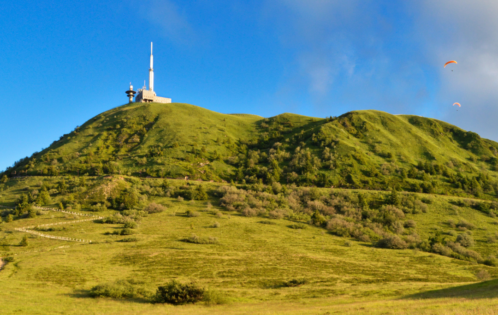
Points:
[(457, 104), (451, 61)]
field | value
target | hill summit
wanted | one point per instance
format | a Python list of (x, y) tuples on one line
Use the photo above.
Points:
[(360, 149)]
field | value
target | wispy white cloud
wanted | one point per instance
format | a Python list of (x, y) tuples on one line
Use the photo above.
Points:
[(388, 55), (170, 20), (340, 49), (464, 31)]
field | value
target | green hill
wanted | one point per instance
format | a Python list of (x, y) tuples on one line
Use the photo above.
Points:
[(366, 213), (361, 149)]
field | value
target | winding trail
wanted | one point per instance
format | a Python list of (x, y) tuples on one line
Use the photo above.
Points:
[(29, 229)]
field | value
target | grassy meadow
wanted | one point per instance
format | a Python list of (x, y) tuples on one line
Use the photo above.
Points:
[(254, 264), (365, 213)]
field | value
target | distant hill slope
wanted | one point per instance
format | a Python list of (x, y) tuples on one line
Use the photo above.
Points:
[(361, 149)]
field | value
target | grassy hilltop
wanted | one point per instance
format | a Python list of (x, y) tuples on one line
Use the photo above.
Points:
[(361, 149), (366, 213)]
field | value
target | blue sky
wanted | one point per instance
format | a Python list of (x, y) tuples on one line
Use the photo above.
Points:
[(65, 62)]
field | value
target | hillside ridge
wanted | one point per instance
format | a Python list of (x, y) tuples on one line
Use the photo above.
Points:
[(359, 149)]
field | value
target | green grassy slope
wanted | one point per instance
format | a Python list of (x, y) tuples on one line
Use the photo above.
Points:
[(360, 149), (421, 187), (249, 264)]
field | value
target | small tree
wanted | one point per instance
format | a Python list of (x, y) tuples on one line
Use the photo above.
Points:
[(9, 218), (131, 199), (201, 193), (24, 241), (44, 198), (318, 219), (4, 179)]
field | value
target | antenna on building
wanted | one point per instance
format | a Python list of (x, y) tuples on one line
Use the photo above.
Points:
[(144, 95), (151, 70)]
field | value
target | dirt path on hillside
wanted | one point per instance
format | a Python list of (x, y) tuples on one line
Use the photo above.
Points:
[(29, 229)]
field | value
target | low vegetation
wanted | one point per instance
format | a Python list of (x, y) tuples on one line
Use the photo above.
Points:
[(280, 209)]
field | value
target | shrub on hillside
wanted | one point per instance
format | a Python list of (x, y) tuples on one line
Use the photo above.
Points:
[(115, 219), (98, 207), (200, 240), (178, 293), (192, 214), (276, 187), (410, 224), (249, 212), (130, 225), (463, 253), (276, 214), (397, 227), (392, 242), (24, 241), (465, 240), (438, 248), (120, 289), (491, 261), (462, 224), (126, 231), (340, 227)]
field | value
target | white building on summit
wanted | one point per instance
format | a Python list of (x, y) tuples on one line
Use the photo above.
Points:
[(144, 95)]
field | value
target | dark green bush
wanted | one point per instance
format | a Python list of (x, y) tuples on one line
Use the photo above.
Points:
[(491, 261), (126, 231), (130, 225), (24, 241), (392, 242), (178, 293), (410, 224)]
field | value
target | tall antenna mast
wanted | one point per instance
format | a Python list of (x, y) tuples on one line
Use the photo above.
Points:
[(151, 70)]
